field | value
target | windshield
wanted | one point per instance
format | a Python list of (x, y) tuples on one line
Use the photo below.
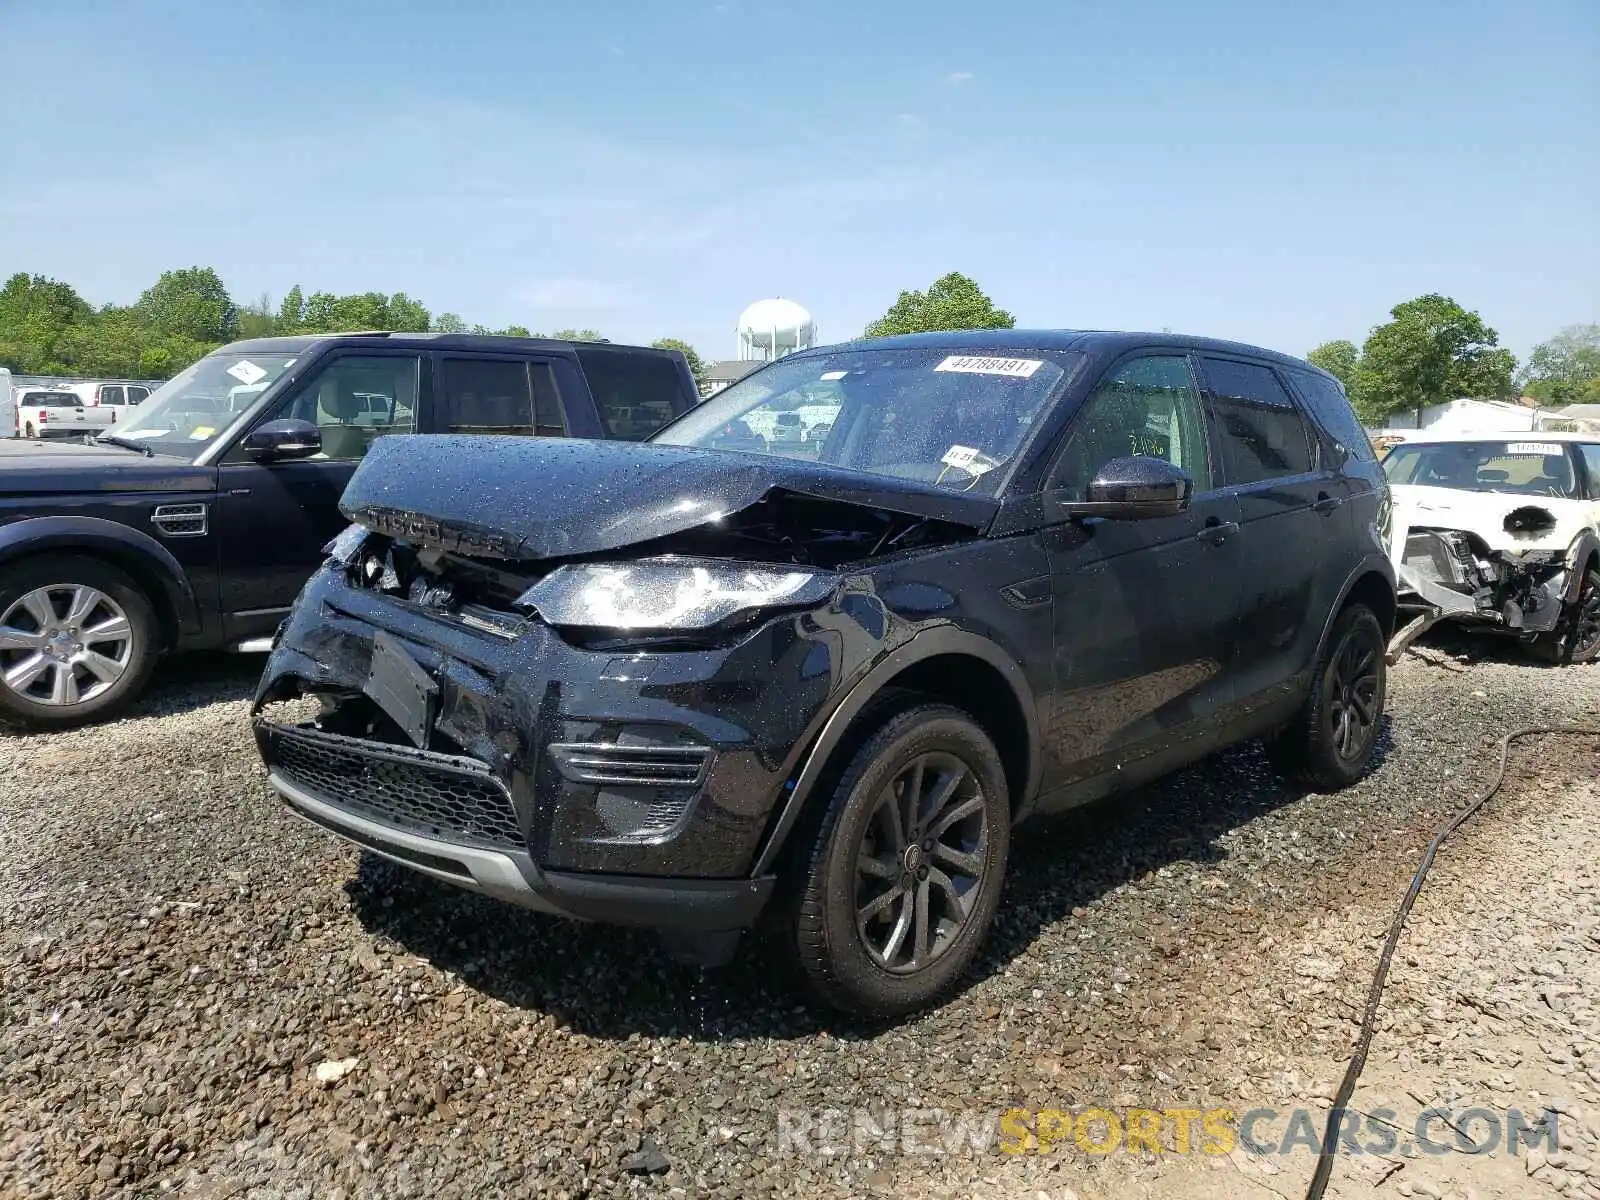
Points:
[(1526, 468), (956, 420), (184, 415)]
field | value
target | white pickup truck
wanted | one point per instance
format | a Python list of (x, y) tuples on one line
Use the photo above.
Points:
[(45, 413)]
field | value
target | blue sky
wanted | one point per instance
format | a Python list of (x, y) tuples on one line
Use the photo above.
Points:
[(1278, 173)]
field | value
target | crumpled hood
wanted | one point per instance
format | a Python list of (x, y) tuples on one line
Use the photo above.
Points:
[(41, 468), (1484, 514), (536, 498)]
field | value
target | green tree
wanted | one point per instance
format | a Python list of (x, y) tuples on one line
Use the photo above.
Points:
[(258, 320), (1338, 359), (449, 323), (1566, 369), (292, 312), (953, 302), (697, 366), (1432, 350), (190, 303), (35, 314), (577, 335)]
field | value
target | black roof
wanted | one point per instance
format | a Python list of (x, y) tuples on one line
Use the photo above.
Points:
[(297, 343), (1103, 340)]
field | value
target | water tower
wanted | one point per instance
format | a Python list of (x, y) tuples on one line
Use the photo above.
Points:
[(769, 329)]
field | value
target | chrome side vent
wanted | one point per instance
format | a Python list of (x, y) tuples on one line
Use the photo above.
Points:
[(608, 764), (179, 520)]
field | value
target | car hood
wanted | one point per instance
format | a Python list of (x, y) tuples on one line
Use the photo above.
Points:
[(33, 468), (1485, 514), (537, 498)]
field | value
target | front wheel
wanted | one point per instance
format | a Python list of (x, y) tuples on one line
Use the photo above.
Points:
[(1579, 642), (77, 640), (903, 875), (1329, 745)]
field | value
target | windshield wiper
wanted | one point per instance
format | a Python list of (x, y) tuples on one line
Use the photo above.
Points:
[(116, 439)]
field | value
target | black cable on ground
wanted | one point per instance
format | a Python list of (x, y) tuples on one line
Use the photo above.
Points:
[(1347, 1086)]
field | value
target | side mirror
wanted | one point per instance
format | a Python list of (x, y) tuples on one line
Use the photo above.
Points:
[(1132, 488), (275, 441)]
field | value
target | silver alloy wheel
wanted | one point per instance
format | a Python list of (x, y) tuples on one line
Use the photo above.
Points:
[(920, 862), (64, 644)]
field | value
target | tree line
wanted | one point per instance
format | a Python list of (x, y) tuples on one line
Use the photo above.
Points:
[(1430, 350), (47, 328)]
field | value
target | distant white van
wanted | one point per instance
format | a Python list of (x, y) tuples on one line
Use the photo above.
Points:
[(117, 396)]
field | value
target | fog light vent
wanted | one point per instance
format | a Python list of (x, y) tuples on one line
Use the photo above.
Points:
[(608, 764)]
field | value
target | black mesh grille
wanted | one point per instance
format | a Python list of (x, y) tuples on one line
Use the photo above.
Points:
[(435, 794)]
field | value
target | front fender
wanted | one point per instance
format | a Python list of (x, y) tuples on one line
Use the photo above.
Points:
[(146, 559), (924, 645), (1583, 549)]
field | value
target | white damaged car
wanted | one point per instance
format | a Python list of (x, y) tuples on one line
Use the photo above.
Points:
[(1501, 531)]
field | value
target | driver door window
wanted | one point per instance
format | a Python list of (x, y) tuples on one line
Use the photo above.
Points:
[(1146, 406), (354, 400)]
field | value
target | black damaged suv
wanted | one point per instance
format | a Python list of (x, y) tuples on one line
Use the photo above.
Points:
[(996, 574)]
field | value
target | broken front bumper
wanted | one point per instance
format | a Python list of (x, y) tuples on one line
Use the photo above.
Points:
[(1448, 575), (630, 787)]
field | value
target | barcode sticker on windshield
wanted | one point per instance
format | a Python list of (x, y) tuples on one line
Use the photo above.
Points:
[(246, 372), (972, 364), (1533, 448)]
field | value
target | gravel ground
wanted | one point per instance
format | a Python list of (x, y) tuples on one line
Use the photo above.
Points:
[(200, 994)]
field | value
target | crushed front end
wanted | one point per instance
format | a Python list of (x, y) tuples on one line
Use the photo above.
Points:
[(601, 733), (1513, 578)]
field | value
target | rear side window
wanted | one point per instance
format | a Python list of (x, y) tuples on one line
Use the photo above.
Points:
[(1330, 406), (636, 394), (504, 396), (1261, 431), (136, 394)]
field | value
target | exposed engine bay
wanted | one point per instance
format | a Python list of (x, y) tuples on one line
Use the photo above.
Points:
[(1456, 572)]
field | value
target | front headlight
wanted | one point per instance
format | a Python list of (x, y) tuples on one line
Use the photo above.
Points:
[(669, 595)]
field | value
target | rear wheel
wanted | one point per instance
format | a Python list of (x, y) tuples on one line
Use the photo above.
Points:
[(77, 640), (903, 875), (1579, 641), (1328, 746), (30, 428)]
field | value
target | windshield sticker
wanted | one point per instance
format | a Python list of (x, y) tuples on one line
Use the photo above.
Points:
[(971, 364), (1533, 448), (959, 456), (246, 372), (830, 376), (201, 433)]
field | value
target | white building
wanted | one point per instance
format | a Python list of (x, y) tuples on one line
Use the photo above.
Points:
[(1466, 416)]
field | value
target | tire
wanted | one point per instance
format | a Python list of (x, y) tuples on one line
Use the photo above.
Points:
[(1579, 638), (862, 969), (30, 428), (1319, 750), (33, 660)]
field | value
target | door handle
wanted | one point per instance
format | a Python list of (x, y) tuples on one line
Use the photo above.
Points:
[(1216, 532), (1326, 503)]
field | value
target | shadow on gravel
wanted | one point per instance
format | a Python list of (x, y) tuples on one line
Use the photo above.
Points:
[(609, 983)]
